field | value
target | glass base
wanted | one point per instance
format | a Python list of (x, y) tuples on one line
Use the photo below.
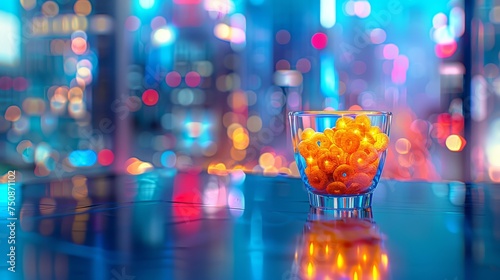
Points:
[(361, 201)]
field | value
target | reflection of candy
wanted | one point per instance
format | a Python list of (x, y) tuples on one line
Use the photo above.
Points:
[(343, 173), (370, 151), (321, 140), (360, 178), (349, 142), (336, 188), (330, 134), (317, 178), (327, 162), (342, 122), (364, 121), (308, 148), (307, 133), (382, 141)]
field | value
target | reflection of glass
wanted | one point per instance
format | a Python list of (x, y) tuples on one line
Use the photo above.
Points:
[(341, 245), (340, 155)]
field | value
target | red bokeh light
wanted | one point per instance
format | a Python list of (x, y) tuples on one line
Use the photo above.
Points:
[(150, 97), (445, 50), (319, 40), (448, 124), (105, 157), (173, 79), (193, 79), (79, 45), (5, 83), (20, 84)]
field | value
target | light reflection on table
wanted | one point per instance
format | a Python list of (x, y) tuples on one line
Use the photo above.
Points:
[(168, 225)]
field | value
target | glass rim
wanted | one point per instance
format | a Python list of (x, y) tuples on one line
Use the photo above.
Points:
[(340, 113)]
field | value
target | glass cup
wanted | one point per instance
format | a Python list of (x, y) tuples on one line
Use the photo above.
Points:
[(340, 155)]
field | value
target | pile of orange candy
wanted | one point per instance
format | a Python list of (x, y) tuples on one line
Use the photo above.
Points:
[(344, 159)]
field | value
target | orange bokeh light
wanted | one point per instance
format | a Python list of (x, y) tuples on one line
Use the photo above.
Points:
[(455, 143)]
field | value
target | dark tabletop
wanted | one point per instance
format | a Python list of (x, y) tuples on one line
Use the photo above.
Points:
[(169, 225)]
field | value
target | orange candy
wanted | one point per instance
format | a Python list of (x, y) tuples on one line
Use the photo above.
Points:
[(307, 133), (337, 137), (343, 122), (327, 162), (370, 170), (382, 142), (344, 158), (336, 151), (308, 148), (349, 142), (330, 134), (311, 161), (368, 139), (370, 151), (374, 130), (354, 188), (317, 178), (362, 179), (357, 129), (359, 160), (343, 173), (321, 140), (336, 188), (364, 121)]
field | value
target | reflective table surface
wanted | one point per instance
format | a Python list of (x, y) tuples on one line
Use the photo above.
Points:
[(169, 225)]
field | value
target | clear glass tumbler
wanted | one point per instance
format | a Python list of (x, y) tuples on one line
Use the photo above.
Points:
[(340, 155)]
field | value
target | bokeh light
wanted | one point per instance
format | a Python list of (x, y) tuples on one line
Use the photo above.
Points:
[(391, 51), (150, 97), (378, 36), (192, 79), (82, 158), (319, 40), (266, 160), (132, 23), (173, 79), (82, 7), (28, 4), (79, 45), (13, 113), (455, 143), (163, 36), (158, 22), (283, 37), (303, 65), (362, 8), (403, 146), (446, 49), (50, 8), (147, 4), (105, 157)]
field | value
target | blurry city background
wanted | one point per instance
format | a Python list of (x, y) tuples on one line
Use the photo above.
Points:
[(131, 85)]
